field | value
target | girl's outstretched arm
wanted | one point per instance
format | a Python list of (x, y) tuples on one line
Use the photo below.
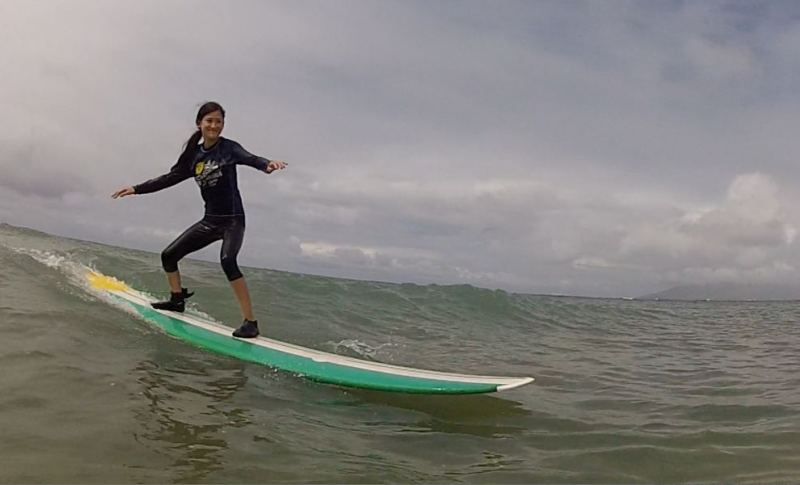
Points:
[(176, 175), (244, 157)]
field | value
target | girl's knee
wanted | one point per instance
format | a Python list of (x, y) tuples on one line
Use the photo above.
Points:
[(230, 268), (169, 261)]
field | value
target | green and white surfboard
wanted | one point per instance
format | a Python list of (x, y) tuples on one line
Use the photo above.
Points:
[(312, 364)]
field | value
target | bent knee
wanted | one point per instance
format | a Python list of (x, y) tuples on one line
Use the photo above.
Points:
[(169, 261), (230, 268)]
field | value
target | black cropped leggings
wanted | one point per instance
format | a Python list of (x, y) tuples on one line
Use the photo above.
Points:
[(211, 228)]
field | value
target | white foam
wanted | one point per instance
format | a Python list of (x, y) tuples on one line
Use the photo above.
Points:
[(359, 347), (75, 273), (45, 257)]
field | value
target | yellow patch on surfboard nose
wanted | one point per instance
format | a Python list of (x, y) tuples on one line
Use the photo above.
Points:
[(103, 282)]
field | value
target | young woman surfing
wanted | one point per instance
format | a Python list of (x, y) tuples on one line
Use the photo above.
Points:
[(213, 166)]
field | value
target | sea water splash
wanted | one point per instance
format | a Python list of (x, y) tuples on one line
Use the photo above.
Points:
[(356, 348), (80, 276), (91, 281), (47, 258)]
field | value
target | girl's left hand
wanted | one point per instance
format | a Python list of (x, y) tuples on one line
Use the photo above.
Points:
[(275, 165)]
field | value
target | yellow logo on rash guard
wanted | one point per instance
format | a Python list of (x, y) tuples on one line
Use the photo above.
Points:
[(207, 173)]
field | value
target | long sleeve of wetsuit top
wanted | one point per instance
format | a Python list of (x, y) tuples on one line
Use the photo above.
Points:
[(243, 157), (176, 175)]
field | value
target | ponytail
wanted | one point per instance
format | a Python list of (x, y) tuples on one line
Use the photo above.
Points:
[(189, 150)]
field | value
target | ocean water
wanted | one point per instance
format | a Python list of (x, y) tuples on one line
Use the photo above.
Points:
[(625, 391)]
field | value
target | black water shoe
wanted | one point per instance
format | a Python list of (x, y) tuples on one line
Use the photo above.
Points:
[(249, 329), (176, 302)]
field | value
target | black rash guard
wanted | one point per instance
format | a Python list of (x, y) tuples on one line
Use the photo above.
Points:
[(214, 170)]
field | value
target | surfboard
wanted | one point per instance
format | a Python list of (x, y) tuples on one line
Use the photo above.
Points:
[(309, 363)]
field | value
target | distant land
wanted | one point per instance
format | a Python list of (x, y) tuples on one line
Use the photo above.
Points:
[(727, 292)]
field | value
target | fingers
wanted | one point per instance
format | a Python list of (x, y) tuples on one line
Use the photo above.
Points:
[(276, 165), (122, 192)]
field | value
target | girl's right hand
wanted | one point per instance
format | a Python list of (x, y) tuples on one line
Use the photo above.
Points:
[(123, 192)]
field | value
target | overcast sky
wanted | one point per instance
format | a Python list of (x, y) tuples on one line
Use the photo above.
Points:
[(603, 148)]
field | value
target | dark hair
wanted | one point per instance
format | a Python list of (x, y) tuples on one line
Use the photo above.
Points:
[(190, 148)]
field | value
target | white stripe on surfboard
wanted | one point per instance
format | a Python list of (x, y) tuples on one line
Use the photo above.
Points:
[(503, 383)]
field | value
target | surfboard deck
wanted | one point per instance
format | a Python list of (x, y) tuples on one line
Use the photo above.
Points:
[(312, 364)]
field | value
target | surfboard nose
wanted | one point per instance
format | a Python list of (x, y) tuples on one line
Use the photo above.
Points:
[(103, 282)]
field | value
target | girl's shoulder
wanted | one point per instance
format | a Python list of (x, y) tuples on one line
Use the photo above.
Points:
[(227, 142)]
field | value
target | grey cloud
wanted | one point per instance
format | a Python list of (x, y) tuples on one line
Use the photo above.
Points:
[(34, 169), (749, 233), (576, 147)]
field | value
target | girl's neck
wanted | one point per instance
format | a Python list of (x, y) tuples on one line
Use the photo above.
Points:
[(207, 144)]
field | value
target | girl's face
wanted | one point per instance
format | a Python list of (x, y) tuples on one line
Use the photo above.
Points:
[(211, 126)]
